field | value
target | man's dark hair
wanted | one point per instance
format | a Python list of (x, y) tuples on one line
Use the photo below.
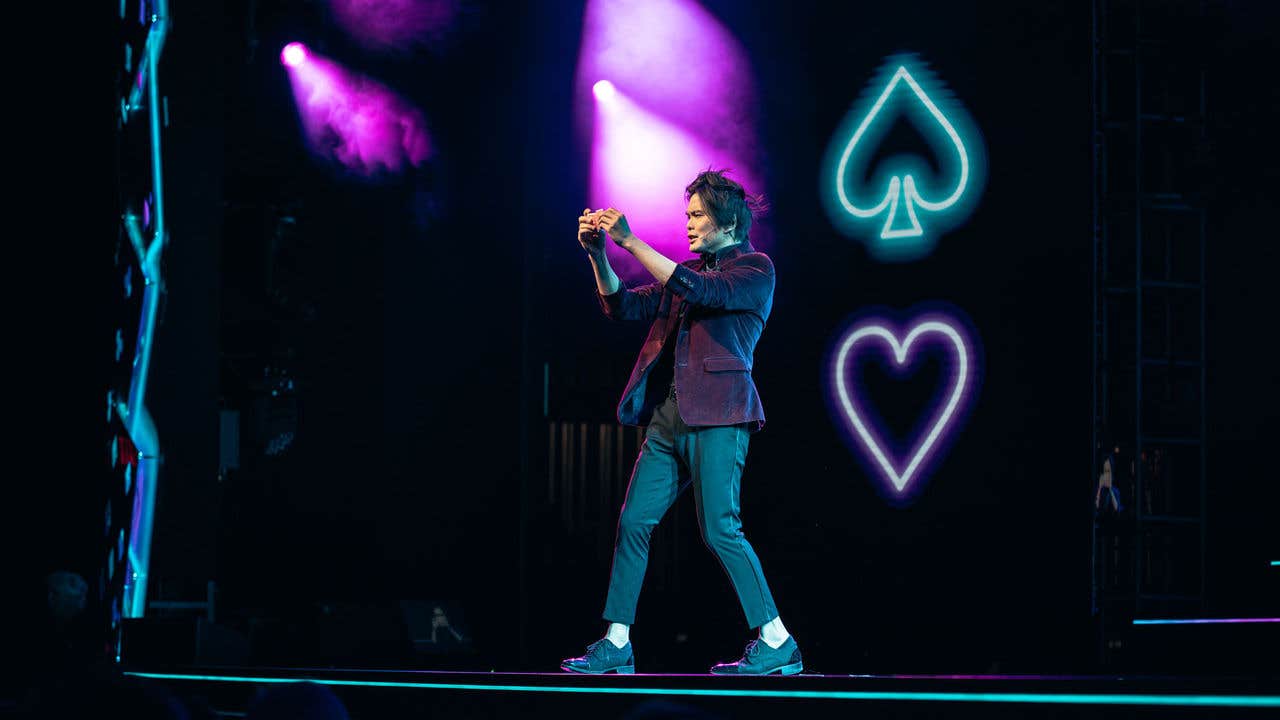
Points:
[(727, 201)]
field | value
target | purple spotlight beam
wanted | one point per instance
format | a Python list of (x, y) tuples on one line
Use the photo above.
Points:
[(293, 54), (898, 474), (604, 91), (648, 141), (356, 121), (656, 77)]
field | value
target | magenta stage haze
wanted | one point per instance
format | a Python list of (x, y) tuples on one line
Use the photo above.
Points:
[(660, 111), (395, 24), (354, 120)]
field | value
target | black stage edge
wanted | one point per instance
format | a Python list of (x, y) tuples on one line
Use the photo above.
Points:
[(419, 694)]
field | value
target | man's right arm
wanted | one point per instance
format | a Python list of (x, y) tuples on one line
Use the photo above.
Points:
[(620, 303), (617, 302), (591, 238), (607, 281)]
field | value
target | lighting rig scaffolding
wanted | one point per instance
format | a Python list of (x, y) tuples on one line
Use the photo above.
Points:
[(134, 450), (1149, 236)]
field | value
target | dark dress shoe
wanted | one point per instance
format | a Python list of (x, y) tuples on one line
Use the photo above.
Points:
[(760, 659), (602, 657)]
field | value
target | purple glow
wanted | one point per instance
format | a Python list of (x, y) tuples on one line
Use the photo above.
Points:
[(357, 121), (641, 165), (984, 677), (293, 54), (396, 24), (1206, 621), (680, 102), (900, 475), (672, 57), (604, 91)]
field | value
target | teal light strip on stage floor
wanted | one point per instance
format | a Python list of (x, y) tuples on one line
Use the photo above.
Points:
[(1040, 698), (1275, 563)]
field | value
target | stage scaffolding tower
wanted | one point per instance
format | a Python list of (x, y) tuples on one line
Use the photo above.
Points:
[(1149, 136)]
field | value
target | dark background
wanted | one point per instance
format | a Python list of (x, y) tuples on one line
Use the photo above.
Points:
[(418, 314)]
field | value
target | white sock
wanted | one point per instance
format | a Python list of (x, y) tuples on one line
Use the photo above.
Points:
[(619, 634), (773, 633)]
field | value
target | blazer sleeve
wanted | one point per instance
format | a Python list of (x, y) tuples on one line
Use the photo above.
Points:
[(639, 303), (745, 286)]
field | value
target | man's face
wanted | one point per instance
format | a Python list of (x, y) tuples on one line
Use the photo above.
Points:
[(704, 236)]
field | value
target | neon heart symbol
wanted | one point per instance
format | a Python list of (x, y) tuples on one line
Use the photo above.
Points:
[(962, 375)]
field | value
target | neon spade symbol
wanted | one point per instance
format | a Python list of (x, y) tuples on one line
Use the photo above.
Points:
[(938, 333), (892, 222)]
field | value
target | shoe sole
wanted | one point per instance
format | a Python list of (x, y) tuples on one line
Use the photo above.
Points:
[(621, 670), (791, 669)]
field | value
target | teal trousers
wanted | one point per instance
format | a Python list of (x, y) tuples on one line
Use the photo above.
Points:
[(672, 458)]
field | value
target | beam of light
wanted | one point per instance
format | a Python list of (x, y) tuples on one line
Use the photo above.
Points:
[(909, 90), (357, 122), (293, 54), (396, 24), (688, 67), (1171, 700), (898, 474), (1275, 563), (604, 91), (1205, 621), (641, 164), (680, 102)]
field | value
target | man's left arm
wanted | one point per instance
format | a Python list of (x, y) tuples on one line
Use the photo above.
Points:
[(659, 266), (615, 223), (746, 285)]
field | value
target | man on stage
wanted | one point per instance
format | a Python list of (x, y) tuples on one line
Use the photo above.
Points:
[(692, 386)]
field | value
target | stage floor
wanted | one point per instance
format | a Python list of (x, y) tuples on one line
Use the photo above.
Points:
[(405, 693)]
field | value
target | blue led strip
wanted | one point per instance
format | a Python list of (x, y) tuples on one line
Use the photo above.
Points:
[(1038, 698)]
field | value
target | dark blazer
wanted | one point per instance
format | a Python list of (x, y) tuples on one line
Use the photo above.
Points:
[(717, 308)]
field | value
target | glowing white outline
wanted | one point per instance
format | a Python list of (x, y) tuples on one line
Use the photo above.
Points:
[(900, 356), (907, 184)]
